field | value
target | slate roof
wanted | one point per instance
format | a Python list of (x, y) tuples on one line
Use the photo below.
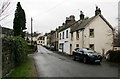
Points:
[(65, 26), (79, 25)]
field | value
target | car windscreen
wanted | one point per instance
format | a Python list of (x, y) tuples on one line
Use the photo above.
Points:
[(89, 51)]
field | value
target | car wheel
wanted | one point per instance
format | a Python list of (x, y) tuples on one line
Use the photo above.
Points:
[(84, 60), (99, 63)]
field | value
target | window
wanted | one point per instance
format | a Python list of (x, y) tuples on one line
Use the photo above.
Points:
[(63, 35), (77, 35), (77, 45), (72, 36), (57, 35), (60, 45), (66, 33), (60, 36), (41, 41), (92, 46), (91, 32)]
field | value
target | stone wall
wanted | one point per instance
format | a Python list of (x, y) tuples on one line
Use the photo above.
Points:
[(7, 57)]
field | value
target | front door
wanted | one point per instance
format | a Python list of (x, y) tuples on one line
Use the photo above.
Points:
[(70, 49), (62, 47)]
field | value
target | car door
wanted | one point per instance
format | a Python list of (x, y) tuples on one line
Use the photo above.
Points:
[(81, 54)]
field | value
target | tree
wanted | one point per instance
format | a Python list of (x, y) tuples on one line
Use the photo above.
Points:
[(19, 21)]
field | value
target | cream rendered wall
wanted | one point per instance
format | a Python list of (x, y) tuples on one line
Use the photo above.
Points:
[(102, 38), (39, 42), (74, 41)]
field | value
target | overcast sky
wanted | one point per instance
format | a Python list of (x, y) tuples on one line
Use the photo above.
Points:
[(49, 14)]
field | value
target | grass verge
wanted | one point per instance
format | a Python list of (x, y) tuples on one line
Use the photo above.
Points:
[(26, 69)]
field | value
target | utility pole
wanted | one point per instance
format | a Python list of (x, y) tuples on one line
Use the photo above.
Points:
[(31, 31)]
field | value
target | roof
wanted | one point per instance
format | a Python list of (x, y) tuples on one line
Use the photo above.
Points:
[(81, 24), (34, 34), (7, 31), (65, 26)]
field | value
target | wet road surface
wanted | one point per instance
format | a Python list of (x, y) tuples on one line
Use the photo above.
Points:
[(51, 64)]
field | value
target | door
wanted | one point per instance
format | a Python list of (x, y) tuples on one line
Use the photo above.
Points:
[(62, 47), (70, 49)]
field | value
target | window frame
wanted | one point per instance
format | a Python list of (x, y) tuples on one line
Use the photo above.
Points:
[(66, 33), (93, 46), (72, 36), (77, 35), (91, 33), (60, 36), (63, 35)]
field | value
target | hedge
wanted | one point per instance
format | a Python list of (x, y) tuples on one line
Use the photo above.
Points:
[(114, 56), (20, 49)]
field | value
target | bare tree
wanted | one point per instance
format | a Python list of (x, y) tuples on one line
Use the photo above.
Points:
[(3, 9)]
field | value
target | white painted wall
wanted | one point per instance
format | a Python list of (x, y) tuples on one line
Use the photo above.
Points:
[(65, 41), (45, 41), (41, 42)]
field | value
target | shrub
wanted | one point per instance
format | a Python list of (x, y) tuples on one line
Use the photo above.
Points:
[(13, 53), (19, 49), (32, 49), (114, 56)]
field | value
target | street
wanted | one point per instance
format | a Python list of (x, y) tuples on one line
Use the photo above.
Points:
[(51, 64)]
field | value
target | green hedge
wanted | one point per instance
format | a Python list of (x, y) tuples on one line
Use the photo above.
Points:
[(20, 49), (14, 53), (18, 46), (32, 49), (114, 56)]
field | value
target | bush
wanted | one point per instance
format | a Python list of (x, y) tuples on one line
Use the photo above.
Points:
[(114, 56), (13, 53), (32, 49), (19, 49)]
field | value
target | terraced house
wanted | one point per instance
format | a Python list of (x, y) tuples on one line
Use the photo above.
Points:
[(95, 33), (64, 35)]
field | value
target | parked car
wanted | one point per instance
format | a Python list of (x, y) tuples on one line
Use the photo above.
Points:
[(87, 55), (52, 48)]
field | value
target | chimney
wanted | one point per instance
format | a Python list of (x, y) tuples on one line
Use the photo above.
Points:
[(97, 11), (81, 15), (72, 18), (67, 20), (63, 24)]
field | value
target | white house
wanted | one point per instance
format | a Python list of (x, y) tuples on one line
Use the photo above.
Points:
[(64, 35), (41, 40), (95, 33)]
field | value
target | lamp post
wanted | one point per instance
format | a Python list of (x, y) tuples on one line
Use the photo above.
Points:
[(31, 31)]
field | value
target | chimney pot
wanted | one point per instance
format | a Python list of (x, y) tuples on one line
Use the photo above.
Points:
[(97, 11), (81, 15)]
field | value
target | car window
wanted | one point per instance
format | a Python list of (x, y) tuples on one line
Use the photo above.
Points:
[(80, 50), (89, 51), (84, 49), (76, 49)]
